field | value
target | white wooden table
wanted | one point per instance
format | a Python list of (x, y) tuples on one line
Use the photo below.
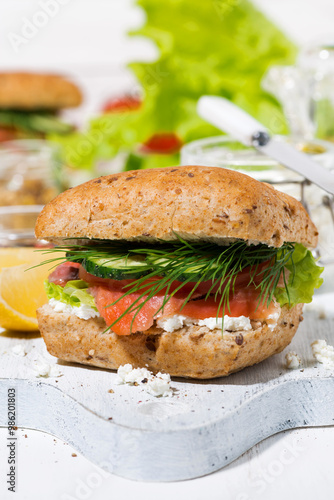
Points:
[(47, 470)]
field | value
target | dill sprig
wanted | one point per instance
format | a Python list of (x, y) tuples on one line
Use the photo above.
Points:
[(186, 262)]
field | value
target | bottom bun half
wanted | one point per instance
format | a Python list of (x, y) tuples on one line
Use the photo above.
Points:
[(193, 351)]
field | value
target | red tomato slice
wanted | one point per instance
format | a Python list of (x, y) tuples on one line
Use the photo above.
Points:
[(7, 134), (164, 143), (122, 104)]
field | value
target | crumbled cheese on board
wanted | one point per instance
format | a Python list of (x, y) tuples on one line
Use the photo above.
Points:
[(156, 385), (19, 350), (43, 369), (293, 361), (323, 353)]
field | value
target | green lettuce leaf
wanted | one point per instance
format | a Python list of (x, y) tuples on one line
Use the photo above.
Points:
[(73, 293), (303, 279)]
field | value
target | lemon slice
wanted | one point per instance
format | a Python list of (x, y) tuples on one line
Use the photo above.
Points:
[(21, 293), (22, 288), (12, 320), (19, 255)]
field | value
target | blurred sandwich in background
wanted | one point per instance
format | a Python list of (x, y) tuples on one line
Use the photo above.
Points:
[(30, 102)]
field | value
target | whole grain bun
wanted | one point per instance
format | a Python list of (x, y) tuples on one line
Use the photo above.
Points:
[(194, 351), (205, 203), (28, 91)]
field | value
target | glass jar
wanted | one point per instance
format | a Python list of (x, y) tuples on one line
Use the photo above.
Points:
[(222, 151), (31, 172), (306, 91), (17, 225)]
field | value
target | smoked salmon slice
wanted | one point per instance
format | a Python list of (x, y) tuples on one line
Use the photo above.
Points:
[(130, 323), (65, 272), (244, 302), (112, 302)]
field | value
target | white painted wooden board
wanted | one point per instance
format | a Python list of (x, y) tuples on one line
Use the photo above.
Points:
[(202, 427)]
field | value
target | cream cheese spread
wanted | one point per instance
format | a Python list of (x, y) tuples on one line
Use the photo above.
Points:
[(82, 312), (179, 321), (172, 323)]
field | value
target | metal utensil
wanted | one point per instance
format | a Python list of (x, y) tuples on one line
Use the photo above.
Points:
[(231, 119)]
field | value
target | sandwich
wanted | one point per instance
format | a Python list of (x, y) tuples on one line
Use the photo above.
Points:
[(194, 271), (29, 103)]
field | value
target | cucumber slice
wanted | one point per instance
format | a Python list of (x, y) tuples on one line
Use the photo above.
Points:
[(120, 267), (192, 273), (117, 267)]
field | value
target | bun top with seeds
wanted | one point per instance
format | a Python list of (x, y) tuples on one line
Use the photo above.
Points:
[(194, 202)]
